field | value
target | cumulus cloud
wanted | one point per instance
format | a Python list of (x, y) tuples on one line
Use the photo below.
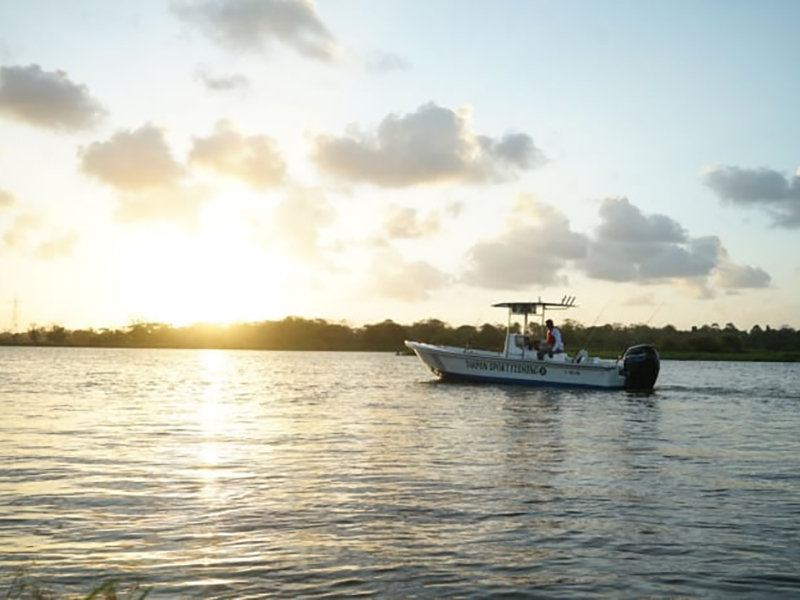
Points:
[(299, 219), (633, 247), (731, 276), (179, 204), (432, 145), (47, 99), (394, 277), (535, 251), (26, 233), (698, 257), (454, 209), (256, 25), (378, 63), (221, 83), (539, 248), (22, 228), (139, 164), (640, 300), (766, 189), (7, 200), (132, 160), (254, 159), (57, 247), (622, 222), (408, 223)]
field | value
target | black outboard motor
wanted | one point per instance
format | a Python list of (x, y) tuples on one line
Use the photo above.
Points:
[(640, 366)]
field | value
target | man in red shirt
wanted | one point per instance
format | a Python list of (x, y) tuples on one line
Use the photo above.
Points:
[(554, 340)]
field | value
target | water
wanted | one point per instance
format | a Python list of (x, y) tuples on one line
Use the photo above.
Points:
[(220, 474)]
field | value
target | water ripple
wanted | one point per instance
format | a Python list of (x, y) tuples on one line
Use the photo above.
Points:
[(212, 474)]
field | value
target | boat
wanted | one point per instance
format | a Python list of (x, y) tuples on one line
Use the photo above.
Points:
[(525, 361)]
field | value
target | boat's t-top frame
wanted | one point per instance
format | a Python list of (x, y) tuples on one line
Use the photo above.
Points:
[(533, 308)]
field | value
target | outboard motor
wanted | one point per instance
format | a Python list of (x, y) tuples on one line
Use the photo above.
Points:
[(641, 365)]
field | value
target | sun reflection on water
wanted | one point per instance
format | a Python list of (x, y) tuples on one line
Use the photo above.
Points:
[(214, 415)]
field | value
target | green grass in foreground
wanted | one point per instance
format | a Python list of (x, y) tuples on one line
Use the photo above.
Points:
[(23, 586)]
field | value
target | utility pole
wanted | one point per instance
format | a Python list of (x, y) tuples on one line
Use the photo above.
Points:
[(15, 315)]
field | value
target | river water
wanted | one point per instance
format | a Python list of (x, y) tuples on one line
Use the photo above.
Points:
[(227, 474)]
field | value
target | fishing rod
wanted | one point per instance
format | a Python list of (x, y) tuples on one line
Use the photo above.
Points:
[(596, 319), (475, 330), (631, 333), (654, 314)]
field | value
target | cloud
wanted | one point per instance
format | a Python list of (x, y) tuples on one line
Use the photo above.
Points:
[(731, 276), (454, 209), (139, 164), (394, 277), (766, 189), (697, 257), (633, 247), (539, 249), (23, 226), (57, 247), (132, 160), (299, 219), (531, 253), (253, 159), (7, 200), (379, 63), (256, 25), (432, 145), (640, 300), (408, 223), (177, 204), (221, 83), (699, 287), (624, 223), (24, 231), (47, 99)]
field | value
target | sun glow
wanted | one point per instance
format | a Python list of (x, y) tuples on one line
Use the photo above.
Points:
[(216, 275)]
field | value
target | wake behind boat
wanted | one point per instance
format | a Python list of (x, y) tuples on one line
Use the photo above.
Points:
[(523, 361)]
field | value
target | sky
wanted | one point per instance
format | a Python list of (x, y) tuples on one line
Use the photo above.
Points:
[(184, 161)]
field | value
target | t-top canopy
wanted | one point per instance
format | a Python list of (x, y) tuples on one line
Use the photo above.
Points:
[(532, 308)]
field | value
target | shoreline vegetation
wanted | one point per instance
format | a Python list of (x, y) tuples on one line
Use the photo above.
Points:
[(707, 342)]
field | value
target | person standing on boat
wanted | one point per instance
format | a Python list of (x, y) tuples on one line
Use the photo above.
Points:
[(555, 342)]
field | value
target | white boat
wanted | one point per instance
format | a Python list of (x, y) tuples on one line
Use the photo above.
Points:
[(523, 362)]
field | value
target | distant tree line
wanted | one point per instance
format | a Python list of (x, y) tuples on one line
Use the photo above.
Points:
[(294, 333)]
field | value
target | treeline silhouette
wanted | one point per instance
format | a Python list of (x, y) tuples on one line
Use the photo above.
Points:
[(295, 333)]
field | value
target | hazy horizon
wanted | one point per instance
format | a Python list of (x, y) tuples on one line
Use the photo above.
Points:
[(499, 323)]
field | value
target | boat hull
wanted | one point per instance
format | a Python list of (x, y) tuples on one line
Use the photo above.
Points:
[(449, 362)]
